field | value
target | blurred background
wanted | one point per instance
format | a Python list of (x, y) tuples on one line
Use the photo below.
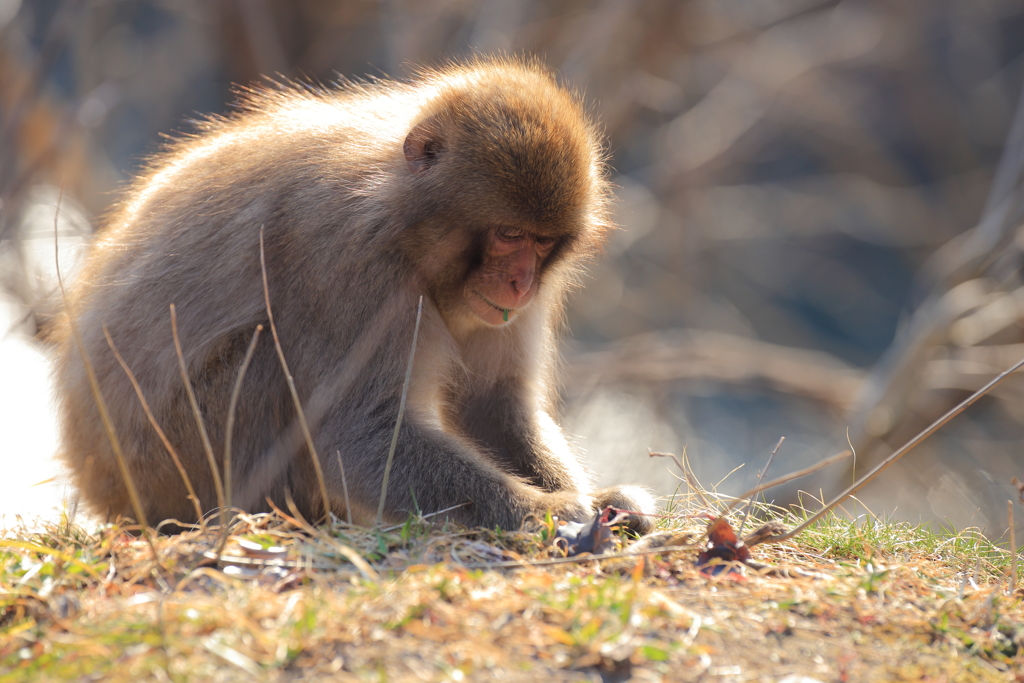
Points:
[(819, 208)]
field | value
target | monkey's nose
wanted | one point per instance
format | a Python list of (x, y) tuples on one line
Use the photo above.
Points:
[(522, 284)]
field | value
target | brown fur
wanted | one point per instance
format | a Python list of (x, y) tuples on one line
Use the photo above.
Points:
[(369, 196)]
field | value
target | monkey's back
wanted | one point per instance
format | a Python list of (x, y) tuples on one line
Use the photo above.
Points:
[(187, 233)]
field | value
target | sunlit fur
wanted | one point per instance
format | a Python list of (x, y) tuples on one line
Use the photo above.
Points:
[(357, 228)]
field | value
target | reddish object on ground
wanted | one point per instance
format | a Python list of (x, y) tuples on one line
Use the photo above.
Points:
[(724, 546)]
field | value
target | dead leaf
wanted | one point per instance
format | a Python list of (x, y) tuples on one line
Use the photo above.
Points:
[(723, 549)]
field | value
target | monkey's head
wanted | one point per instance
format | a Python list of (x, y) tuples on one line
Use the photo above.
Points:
[(512, 179)]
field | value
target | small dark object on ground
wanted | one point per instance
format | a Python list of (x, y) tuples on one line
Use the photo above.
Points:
[(596, 536)]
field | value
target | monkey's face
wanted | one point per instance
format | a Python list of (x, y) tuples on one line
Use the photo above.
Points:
[(506, 280)]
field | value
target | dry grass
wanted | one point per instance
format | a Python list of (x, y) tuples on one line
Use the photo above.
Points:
[(849, 600)]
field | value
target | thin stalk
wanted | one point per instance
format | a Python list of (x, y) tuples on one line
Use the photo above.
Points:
[(101, 405), (1013, 547), (401, 413), (344, 487), (232, 405), (291, 387), (218, 485), (760, 476), (229, 430), (156, 427), (786, 478), (903, 450)]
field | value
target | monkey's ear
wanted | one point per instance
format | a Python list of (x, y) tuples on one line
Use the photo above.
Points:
[(424, 146)]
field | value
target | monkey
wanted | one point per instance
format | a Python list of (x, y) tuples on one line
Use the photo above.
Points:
[(477, 190)]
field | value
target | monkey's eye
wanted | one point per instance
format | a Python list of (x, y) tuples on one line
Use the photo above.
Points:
[(510, 234), (546, 242)]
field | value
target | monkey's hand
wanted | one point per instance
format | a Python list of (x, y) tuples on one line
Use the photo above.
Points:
[(634, 499), (570, 506)]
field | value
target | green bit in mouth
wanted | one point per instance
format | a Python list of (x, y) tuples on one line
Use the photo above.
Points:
[(505, 311)]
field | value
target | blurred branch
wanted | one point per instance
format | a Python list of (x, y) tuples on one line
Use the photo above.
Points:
[(14, 111), (658, 358), (955, 316)]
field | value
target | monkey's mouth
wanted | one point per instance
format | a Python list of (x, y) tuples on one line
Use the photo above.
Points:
[(504, 311)]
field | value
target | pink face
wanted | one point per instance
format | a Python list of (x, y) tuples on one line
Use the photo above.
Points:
[(506, 280)]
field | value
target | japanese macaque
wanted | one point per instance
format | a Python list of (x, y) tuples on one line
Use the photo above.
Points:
[(480, 187)]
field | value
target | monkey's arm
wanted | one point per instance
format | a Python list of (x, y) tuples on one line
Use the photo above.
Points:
[(433, 471), (525, 440), (522, 437)]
